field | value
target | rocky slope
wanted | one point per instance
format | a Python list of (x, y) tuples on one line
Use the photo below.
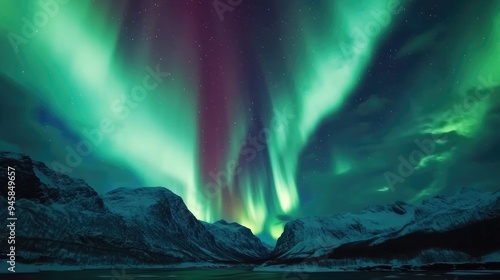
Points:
[(461, 228), (65, 221), (238, 239)]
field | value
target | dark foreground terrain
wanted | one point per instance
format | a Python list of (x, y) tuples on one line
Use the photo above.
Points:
[(228, 273)]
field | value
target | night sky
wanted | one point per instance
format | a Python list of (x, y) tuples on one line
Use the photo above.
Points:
[(257, 111)]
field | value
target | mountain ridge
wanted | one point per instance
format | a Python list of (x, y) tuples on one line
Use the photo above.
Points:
[(465, 225), (66, 221)]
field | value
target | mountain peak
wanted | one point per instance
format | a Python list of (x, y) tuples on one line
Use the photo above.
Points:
[(149, 191), (435, 226), (222, 221), (69, 216), (12, 155)]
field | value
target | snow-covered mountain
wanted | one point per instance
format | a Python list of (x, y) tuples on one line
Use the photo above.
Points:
[(460, 228), (67, 222), (239, 239), (64, 221)]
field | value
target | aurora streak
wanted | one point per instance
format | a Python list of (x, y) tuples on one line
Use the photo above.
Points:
[(289, 71)]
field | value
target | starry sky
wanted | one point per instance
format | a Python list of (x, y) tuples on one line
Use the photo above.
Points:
[(257, 112)]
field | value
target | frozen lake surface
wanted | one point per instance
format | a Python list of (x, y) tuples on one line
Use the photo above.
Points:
[(236, 273)]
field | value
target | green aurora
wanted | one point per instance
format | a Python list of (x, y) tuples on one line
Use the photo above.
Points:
[(339, 90)]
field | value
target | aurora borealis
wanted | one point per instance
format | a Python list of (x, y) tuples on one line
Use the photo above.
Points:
[(282, 109)]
